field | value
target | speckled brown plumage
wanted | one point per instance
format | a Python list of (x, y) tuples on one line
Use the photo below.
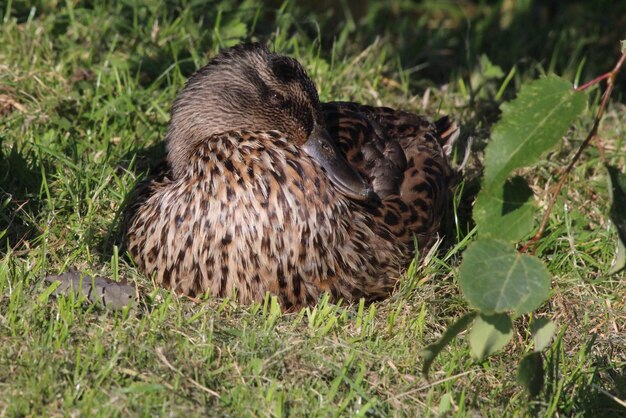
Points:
[(267, 190)]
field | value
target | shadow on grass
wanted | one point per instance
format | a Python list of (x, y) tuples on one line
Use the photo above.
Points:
[(434, 39), (585, 391), (149, 165), (440, 39), (475, 122), (20, 183)]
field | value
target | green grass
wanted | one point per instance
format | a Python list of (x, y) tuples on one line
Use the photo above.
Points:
[(85, 91)]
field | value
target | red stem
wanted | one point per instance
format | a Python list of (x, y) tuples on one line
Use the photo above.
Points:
[(610, 77), (594, 81)]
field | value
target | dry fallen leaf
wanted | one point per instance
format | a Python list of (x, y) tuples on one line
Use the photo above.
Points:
[(8, 104)]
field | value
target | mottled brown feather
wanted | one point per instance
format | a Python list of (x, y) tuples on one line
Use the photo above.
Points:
[(246, 211)]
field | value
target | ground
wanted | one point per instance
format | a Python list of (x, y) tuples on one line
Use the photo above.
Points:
[(85, 91)]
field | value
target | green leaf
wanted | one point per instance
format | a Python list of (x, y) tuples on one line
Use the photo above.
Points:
[(488, 69), (542, 330), (623, 45), (495, 278), (233, 33), (431, 352), (505, 212), (530, 125), (617, 186), (489, 334), (445, 404), (530, 373)]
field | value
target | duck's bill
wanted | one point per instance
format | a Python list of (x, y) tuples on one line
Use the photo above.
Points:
[(320, 147)]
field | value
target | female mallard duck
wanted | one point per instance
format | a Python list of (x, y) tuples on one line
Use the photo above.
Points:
[(269, 190)]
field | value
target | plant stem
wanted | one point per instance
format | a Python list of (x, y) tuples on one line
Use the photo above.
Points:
[(593, 133), (594, 81)]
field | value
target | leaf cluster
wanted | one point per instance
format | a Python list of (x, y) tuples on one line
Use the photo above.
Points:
[(497, 280)]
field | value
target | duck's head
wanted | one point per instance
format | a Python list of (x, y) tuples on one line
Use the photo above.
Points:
[(249, 88)]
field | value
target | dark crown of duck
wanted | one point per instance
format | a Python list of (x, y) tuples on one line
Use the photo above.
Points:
[(248, 88)]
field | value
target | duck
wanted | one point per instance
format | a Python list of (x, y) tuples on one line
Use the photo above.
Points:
[(267, 190)]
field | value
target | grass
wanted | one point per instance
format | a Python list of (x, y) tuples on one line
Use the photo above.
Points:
[(85, 91)]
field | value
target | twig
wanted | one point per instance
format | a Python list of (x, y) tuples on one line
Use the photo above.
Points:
[(594, 81), (164, 360), (610, 83), (430, 385), (615, 398)]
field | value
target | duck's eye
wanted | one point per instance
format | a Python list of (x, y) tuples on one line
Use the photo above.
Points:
[(276, 99), (326, 147)]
